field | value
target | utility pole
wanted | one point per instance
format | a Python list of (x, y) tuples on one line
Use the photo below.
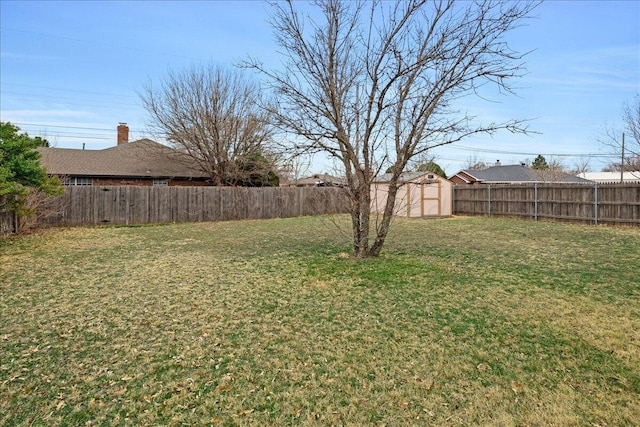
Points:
[(622, 161)]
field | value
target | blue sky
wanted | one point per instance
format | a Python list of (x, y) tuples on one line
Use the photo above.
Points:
[(71, 71)]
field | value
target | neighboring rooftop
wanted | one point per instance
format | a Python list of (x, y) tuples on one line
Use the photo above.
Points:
[(610, 177), (142, 159), (513, 174), (319, 180)]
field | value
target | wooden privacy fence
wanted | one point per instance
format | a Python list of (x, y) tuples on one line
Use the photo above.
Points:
[(146, 205), (593, 203), (598, 203)]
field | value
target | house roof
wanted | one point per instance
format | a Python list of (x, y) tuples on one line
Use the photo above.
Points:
[(143, 158), (321, 179), (406, 176), (611, 176), (512, 174)]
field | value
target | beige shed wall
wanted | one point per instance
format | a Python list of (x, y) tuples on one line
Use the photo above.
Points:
[(421, 198)]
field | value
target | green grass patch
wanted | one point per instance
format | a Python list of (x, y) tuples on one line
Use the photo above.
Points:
[(468, 321)]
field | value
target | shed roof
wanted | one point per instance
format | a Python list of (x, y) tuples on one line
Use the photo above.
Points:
[(406, 176), (142, 158)]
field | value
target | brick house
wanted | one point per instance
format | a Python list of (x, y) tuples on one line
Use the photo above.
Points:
[(142, 163), (512, 174)]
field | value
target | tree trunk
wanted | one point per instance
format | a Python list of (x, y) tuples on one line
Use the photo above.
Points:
[(383, 228), (360, 215)]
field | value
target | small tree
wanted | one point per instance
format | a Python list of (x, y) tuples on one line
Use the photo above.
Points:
[(580, 166), (215, 115), (20, 170), (432, 167), (257, 171), (473, 163), (540, 163), (373, 83)]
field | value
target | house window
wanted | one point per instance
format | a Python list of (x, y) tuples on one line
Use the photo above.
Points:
[(160, 182), (77, 181)]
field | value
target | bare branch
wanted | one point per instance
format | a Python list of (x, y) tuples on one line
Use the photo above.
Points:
[(625, 142)]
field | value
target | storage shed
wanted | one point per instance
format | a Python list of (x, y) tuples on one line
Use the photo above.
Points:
[(421, 195)]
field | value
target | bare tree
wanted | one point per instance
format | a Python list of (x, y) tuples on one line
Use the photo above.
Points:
[(581, 166), (295, 168), (625, 142), (475, 163), (631, 164), (215, 115), (377, 83)]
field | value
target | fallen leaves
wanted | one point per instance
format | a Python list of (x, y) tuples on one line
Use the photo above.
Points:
[(254, 338)]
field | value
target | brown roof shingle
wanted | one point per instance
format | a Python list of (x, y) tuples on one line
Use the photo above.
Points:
[(143, 159)]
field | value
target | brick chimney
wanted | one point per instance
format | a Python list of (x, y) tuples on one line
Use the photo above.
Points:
[(123, 133)]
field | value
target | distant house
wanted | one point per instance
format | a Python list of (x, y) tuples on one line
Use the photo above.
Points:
[(318, 180), (611, 177), (512, 174), (421, 195), (143, 163)]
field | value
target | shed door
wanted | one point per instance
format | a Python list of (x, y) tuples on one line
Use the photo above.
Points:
[(431, 198)]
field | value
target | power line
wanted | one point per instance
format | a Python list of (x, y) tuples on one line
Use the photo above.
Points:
[(52, 132), (85, 138), (71, 127), (522, 153)]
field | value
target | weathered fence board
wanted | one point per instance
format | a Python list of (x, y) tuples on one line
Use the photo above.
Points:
[(597, 203), (7, 222), (143, 205)]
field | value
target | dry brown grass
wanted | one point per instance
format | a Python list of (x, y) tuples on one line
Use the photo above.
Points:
[(461, 322)]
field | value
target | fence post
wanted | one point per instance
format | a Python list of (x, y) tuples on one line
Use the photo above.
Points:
[(453, 198), (595, 203), (16, 225), (535, 201), (489, 207)]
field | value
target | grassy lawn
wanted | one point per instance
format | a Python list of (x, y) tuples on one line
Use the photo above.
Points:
[(468, 321)]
